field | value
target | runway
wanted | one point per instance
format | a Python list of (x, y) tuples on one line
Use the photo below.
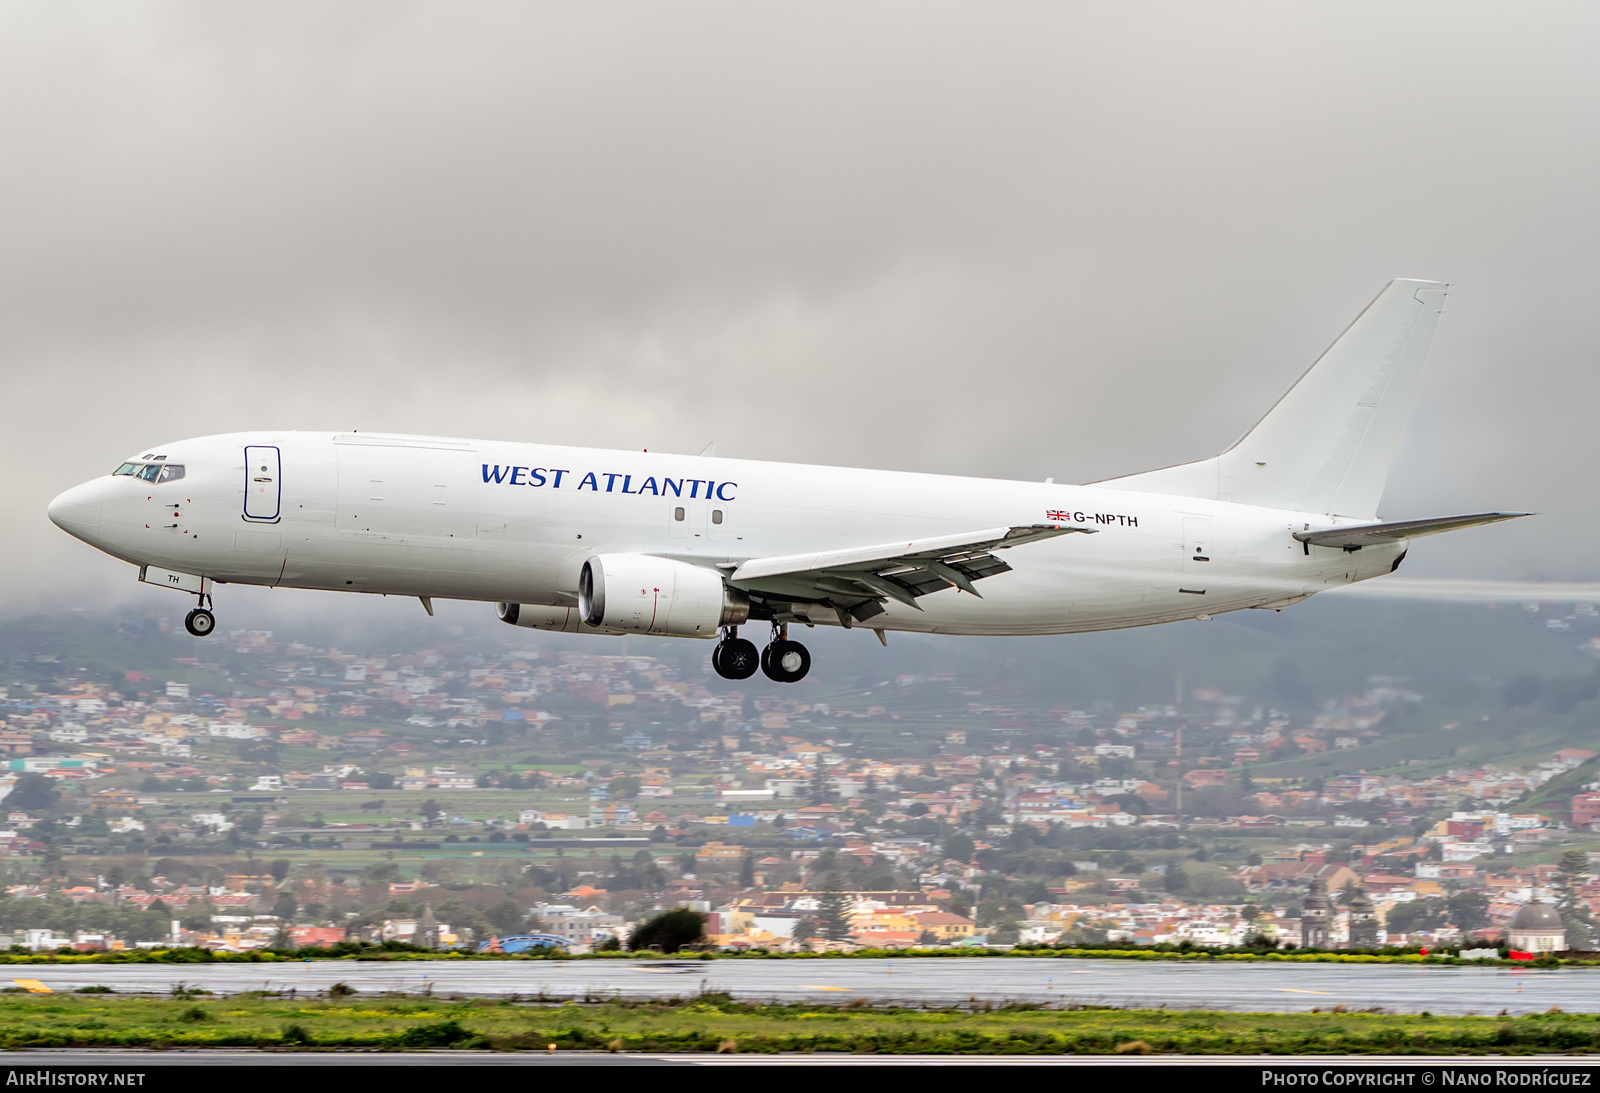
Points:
[(1399, 988)]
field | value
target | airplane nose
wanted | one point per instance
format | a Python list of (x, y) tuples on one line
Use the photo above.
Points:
[(77, 511)]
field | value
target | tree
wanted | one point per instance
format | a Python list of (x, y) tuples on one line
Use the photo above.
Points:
[(959, 847), (1418, 914), (1469, 910), (279, 869), (285, 906), (804, 930), (625, 788), (747, 870), (506, 917), (1571, 873), (429, 810), (833, 914), (380, 780), (33, 793), (1176, 879), (819, 784), (669, 931)]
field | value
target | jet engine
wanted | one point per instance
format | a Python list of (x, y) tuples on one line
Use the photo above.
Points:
[(643, 594), (539, 616)]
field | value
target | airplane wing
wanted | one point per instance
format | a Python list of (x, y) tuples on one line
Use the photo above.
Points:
[(857, 581), (1356, 536)]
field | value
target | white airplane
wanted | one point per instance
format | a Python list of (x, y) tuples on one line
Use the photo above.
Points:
[(584, 540)]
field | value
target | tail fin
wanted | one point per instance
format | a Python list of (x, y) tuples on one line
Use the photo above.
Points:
[(1327, 445)]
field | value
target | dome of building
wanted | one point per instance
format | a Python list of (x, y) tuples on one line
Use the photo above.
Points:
[(1536, 916)]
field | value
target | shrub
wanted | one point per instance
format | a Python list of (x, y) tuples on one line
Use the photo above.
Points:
[(297, 1034), (341, 990), (439, 1034), (669, 931)]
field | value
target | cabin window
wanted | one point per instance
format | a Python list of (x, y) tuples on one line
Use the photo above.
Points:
[(170, 473), (716, 516), (677, 514)]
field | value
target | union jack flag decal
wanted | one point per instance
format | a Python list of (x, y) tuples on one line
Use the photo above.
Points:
[(1056, 514)]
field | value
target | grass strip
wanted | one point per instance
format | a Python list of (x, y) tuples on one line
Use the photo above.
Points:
[(713, 1022)]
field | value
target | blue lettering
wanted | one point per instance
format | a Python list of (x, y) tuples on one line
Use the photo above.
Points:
[(625, 480), (496, 475), (674, 484), (722, 496), (649, 486), (695, 492), (556, 485), (516, 476), (611, 480), (589, 480), (536, 477)]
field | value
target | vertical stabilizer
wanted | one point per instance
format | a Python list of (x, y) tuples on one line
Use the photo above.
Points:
[(1327, 445)]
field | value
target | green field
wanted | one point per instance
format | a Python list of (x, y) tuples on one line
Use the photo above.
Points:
[(713, 1023)]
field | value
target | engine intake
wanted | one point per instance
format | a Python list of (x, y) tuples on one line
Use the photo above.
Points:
[(643, 594)]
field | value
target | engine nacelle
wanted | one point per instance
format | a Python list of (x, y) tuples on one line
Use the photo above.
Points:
[(643, 594), (539, 617)]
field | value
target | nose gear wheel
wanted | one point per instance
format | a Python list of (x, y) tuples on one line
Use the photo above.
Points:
[(200, 622)]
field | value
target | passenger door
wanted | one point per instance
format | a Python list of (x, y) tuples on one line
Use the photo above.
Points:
[(263, 491)]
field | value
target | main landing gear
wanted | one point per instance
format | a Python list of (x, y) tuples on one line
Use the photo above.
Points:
[(734, 657), (783, 661), (201, 622)]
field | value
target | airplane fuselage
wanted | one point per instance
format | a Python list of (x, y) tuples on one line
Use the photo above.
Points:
[(507, 522)]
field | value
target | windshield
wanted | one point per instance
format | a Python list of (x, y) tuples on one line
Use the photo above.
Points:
[(151, 472)]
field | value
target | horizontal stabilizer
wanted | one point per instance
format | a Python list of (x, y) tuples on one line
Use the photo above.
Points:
[(1356, 536), (1455, 590)]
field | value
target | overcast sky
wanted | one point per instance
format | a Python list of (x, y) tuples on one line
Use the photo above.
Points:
[(1007, 239)]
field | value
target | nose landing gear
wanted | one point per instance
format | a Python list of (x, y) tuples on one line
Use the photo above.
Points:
[(201, 622), (734, 657)]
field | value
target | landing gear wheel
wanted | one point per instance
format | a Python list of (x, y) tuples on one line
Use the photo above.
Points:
[(200, 622), (735, 658), (785, 661)]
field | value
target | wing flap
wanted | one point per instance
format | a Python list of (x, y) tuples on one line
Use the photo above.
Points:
[(1356, 536), (858, 580), (946, 548)]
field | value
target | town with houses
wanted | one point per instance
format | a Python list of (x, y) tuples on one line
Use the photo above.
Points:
[(480, 791)]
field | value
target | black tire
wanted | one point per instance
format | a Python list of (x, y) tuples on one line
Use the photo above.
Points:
[(736, 658), (200, 622), (786, 661)]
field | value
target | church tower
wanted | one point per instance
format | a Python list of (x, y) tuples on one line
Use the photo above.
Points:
[(427, 928), (1314, 916)]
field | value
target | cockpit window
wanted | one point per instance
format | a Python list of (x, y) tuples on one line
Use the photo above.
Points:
[(126, 468), (149, 471), (170, 473)]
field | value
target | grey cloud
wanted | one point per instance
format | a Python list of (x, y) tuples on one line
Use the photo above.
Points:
[(1015, 239)]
